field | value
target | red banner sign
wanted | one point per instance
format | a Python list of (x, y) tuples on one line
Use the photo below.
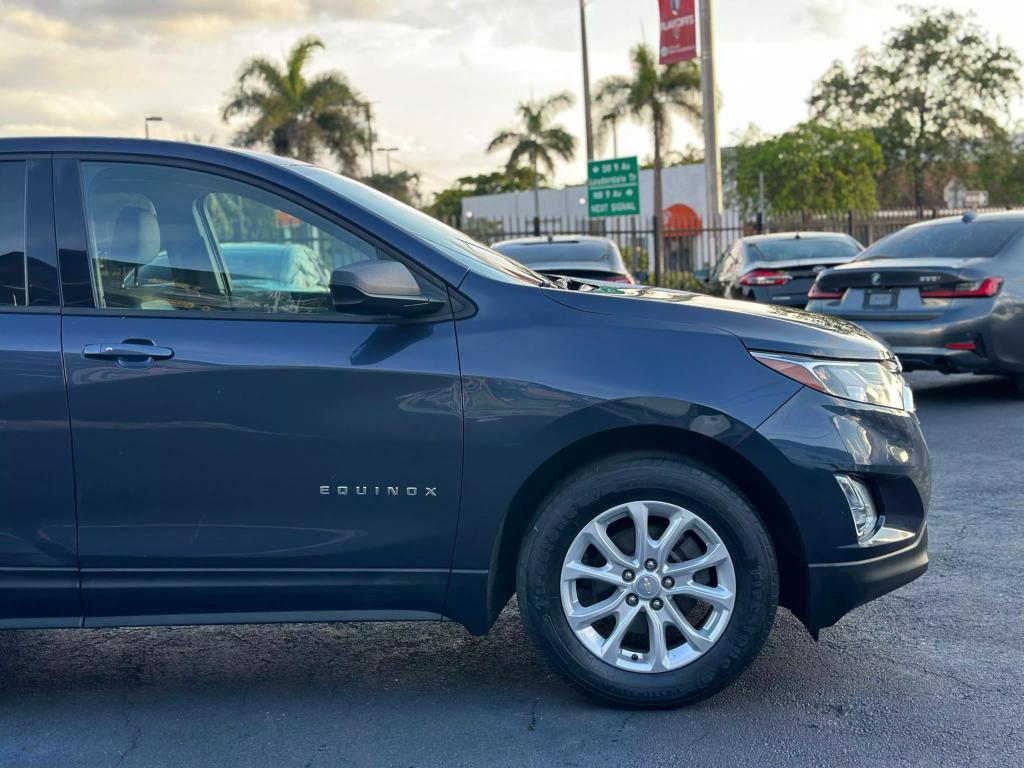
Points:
[(678, 31)]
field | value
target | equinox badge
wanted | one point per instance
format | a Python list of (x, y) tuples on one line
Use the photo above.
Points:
[(377, 490)]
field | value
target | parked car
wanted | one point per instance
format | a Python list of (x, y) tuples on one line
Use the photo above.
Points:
[(577, 256), (947, 295), (780, 268), (435, 429)]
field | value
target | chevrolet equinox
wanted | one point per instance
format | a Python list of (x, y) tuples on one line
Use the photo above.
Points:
[(238, 388)]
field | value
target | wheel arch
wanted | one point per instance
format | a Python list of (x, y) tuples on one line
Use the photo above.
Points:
[(726, 461)]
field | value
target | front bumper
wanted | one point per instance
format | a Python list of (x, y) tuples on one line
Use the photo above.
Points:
[(801, 447), (835, 589)]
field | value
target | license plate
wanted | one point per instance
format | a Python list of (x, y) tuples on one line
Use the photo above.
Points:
[(880, 299)]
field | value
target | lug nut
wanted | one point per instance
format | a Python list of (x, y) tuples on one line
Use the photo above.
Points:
[(632, 599), (628, 575), (650, 564), (656, 604), (668, 582)]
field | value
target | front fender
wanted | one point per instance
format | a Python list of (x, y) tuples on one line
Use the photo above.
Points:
[(540, 377), (488, 543)]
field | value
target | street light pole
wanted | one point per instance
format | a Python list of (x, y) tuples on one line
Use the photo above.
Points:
[(387, 153), (712, 158), (588, 117), (151, 119)]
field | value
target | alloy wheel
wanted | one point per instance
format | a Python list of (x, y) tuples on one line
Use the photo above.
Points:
[(648, 586)]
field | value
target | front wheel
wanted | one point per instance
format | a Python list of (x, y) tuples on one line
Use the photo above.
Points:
[(648, 580)]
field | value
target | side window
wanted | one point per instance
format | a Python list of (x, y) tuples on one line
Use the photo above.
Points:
[(166, 238), (13, 291)]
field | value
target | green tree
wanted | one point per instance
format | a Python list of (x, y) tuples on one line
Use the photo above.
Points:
[(813, 167), (536, 141), (652, 95), (447, 204), (997, 165), (296, 116), (404, 186), (935, 83)]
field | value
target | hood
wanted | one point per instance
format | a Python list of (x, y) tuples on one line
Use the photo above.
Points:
[(763, 327)]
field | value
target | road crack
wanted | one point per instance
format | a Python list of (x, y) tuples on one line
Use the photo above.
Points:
[(134, 729)]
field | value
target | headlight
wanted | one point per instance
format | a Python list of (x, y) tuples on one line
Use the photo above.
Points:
[(866, 381)]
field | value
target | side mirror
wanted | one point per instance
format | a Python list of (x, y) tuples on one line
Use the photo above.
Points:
[(379, 288)]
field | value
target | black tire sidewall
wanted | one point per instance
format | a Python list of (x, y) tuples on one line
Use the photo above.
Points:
[(649, 478)]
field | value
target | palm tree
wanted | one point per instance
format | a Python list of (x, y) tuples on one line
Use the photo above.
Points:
[(652, 95), (537, 141), (294, 115)]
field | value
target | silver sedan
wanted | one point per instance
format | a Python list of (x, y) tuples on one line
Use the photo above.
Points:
[(947, 295)]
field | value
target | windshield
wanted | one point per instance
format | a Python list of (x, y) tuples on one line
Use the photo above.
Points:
[(805, 248), (466, 251), (949, 240)]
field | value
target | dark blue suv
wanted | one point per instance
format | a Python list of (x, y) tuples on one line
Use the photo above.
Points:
[(237, 388)]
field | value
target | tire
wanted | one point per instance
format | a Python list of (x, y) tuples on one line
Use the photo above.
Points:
[(667, 482), (1018, 382)]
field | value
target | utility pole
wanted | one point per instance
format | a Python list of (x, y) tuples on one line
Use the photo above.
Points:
[(712, 157), (761, 218), (588, 117)]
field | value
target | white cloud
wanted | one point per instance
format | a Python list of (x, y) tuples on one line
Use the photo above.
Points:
[(57, 110), (827, 17)]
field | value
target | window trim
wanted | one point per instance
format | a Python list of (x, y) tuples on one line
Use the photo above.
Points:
[(40, 254), (71, 203)]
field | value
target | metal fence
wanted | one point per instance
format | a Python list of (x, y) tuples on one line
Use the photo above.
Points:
[(866, 227), (687, 249), (698, 249)]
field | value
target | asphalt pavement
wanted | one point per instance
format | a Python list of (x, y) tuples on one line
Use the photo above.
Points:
[(932, 675)]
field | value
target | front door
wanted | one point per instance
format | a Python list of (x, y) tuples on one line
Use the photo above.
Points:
[(242, 450)]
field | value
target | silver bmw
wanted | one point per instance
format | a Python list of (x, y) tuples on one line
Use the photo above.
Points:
[(947, 294)]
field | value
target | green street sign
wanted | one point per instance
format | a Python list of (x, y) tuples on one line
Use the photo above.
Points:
[(613, 187)]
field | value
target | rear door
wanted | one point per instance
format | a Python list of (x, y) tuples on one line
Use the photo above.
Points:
[(242, 450), (38, 555)]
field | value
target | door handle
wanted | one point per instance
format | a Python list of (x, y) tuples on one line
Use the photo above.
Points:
[(126, 349)]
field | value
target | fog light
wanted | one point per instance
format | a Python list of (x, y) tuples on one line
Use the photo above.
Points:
[(862, 508)]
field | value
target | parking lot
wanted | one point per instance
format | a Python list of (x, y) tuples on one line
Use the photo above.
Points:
[(930, 675)]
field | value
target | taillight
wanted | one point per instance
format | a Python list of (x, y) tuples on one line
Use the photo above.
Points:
[(981, 289), (765, 277), (817, 292), (622, 279)]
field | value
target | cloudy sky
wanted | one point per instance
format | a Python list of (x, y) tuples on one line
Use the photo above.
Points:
[(444, 74)]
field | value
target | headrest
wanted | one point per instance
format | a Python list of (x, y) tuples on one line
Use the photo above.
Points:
[(136, 236)]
